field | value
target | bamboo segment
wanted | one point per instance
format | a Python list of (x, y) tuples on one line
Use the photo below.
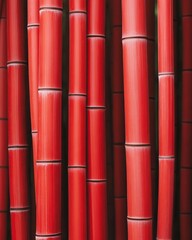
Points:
[(137, 132), (49, 151), (96, 136), (17, 124), (4, 193), (118, 124), (77, 121), (33, 50), (186, 124), (166, 119)]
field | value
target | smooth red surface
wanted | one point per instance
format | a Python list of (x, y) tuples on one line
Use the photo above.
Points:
[(20, 225), (4, 177), (120, 218), (33, 58), (134, 18), (96, 140), (16, 31), (118, 118), (136, 92), (165, 36), (96, 17), (48, 199), (18, 178), (185, 227), (33, 12), (97, 214), (166, 116), (4, 189), (49, 125), (77, 6), (17, 105), (77, 54), (185, 190), (3, 42), (186, 40), (119, 171), (165, 200), (77, 203), (186, 96), (35, 146), (3, 225), (151, 68), (139, 229), (50, 49), (186, 150), (117, 60), (96, 72), (3, 143), (138, 166), (51, 4), (3, 93), (77, 132)]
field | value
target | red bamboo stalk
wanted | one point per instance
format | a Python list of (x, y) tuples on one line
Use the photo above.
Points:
[(18, 147), (4, 202), (33, 50), (186, 124), (166, 119), (120, 195), (137, 133), (77, 121), (49, 152), (96, 174)]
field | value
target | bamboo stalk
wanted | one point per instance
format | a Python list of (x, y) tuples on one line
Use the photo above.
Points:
[(77, 121), (4, 192), (166, 119), (33, 58), (96, 159), (186, 124), (18, 147), (120, 195), (33, 50), (137, 133), (49, 152)]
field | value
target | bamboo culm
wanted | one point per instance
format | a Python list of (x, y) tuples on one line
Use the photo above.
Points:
[(49, 149), (186, 124), (77, 121), (18, 127), (137, 132), (4, 174), (96, 129), (120, 195), (166, 119)]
